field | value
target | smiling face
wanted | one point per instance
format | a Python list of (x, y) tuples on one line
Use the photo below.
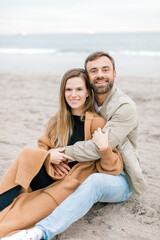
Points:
[(76, 94), (101, 75)]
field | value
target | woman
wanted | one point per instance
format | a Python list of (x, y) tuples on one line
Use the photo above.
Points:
[(40, 188)]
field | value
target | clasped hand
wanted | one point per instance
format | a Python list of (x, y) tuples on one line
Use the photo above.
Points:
[(60, 161), (100, 138)]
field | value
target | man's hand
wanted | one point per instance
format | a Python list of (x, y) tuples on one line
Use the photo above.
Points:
[(100, 138), (61, 168), (57, 156)]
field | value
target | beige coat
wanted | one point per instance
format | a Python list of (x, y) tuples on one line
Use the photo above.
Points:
[(32, 206)]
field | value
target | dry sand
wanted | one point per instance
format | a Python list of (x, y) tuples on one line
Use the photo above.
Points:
[(28, 100)]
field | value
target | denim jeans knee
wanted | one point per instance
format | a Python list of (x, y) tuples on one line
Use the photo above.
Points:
[(107, 187), (95, 179)]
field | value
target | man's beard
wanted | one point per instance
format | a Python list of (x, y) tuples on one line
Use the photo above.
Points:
[(102, 89)]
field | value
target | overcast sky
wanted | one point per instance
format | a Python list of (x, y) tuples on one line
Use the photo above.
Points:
[(78, 16)]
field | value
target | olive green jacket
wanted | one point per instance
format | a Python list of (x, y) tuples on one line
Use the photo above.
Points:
[(120, 112)]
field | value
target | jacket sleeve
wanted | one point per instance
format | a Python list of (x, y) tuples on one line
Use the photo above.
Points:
[(123, 121), (110, 161)]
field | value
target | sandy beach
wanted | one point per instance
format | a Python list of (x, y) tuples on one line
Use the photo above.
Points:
[(28, 100)]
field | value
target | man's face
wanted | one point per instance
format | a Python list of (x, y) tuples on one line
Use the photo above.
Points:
[(101, 74)]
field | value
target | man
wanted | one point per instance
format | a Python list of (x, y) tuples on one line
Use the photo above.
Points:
[(121, 115)]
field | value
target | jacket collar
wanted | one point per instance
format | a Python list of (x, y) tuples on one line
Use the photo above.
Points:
[(88, 122), (103, 109)]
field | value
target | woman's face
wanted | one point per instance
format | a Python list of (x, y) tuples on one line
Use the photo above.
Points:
[(76, 94)]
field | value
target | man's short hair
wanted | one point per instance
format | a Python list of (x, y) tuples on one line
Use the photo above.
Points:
[(96, 55)]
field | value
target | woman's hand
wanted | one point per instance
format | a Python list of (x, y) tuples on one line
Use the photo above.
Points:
[(57, 156), (61, 168), (100, 138)]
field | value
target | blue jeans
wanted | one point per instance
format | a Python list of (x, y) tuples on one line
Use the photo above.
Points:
[(98, 187)]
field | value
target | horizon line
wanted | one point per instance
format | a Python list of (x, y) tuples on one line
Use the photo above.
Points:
[(75, 33)]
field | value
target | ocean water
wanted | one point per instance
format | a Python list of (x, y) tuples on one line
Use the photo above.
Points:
[(135, 54)]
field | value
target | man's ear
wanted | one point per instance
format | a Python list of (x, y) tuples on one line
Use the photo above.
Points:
[(114, 74)]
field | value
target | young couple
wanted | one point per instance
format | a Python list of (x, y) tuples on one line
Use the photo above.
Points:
[(79, 159)]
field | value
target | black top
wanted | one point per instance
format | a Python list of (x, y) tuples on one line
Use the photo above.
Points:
[(77, 135), (78, 130)]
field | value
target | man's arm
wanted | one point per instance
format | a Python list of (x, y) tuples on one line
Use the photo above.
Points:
[(123, 121)]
